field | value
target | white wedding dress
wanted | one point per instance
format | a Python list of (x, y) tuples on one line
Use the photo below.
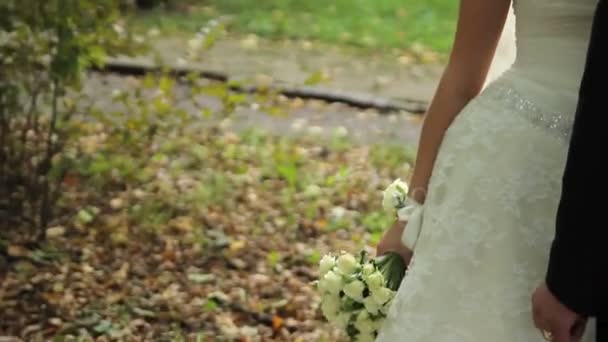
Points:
[(489, 218)]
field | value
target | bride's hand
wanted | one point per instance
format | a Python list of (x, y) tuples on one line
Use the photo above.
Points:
[(391, 242)]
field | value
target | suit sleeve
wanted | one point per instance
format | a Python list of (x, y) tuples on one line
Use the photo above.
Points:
[(579, 253)]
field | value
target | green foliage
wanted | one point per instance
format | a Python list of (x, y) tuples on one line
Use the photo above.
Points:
[(377, 221), (392, 155), (407, 24), (273, 258), (45, 47)]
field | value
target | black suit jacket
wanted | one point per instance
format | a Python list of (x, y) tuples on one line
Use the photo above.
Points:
[(578, 266)]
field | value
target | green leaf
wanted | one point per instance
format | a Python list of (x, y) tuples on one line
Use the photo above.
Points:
[(211, 305), (315, 78), (217, 90), (275, 111), (103, 327), (236, 99), (85, 216), (289, 172), (3, 244), (45, 254), (200, 337), (314, 257), (166, 84), (377, 221), (97, 55), (273, 258), (207, 113), (200, 152)]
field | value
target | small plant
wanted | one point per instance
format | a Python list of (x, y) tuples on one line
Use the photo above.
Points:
[(44, 49)]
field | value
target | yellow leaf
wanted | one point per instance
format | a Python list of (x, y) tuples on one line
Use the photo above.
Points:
[(183, 223), (315, 78), (237, 245), (121, 275)]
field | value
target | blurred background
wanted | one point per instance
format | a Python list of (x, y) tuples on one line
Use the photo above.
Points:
[(173, 170)]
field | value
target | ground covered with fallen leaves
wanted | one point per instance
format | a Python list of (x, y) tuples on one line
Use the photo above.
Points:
[(193, 232)]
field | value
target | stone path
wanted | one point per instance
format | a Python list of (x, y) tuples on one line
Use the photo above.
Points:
[(297, 117), (387, 75)]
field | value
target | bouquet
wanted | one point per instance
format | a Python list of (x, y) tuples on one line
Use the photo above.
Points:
[(356, 293)]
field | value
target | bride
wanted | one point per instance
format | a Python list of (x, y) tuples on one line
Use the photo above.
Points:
[(488, 174)]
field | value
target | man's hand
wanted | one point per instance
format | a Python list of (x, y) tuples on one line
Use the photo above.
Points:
[(552, 316)]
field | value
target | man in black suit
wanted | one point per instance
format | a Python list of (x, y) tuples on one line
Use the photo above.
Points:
[(575, 287)]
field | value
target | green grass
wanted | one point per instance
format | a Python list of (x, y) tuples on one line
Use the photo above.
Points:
[(374, 24)]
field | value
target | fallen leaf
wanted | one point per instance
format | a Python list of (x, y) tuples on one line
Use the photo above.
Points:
[(85, 216), (56, 321), (316, 78), (277, 322), (55, 232), (121, 274), (237, 245), (201, 278), (251, 42), (143, 312), (116, 203), (183, 223), (17, 251)]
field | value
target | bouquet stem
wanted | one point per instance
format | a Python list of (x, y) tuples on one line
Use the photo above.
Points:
[(393, 268)]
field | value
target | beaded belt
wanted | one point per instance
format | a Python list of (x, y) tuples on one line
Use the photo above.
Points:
[(559, 123)]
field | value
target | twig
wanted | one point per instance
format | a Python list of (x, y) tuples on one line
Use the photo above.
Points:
[(45, 206), (28, 123), (3, 157)]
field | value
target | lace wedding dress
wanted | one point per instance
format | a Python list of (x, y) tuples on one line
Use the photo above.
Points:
[(489, 218)]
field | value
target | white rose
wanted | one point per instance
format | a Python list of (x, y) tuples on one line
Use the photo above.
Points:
[(374, 281), (367, 269), (342, 320), (382, 295), (385, 308), (365, 337), (326, 264), (363, 316), (330, 306), (364, 323), (328, 314), (394, 195), (322, 285), (332, 282), (347, 264), (371, 306), (354, 290)]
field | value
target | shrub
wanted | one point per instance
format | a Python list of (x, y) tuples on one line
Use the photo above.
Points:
[(45, 47)]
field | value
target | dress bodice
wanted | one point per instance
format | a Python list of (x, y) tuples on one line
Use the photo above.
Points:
[(551, 38)]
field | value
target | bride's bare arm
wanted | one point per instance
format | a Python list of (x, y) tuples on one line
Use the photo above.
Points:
[(479, 28)]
